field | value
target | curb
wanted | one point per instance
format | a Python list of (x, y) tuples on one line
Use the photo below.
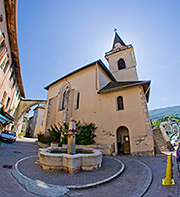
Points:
[(98, 182), (42, 188), (41, 145), (147, 183), (37, 187)]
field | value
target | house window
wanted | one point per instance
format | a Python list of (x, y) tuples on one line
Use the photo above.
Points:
[(77, 100), (13, 83), (1, 18), (7, 104), (120, 105), (3, 57), (3, 53), (3, 34), (121, 64), (6, 66), (11, 76), (1, 38), (4, 97)]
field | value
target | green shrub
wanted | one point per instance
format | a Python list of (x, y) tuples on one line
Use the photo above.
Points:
[(64, 135), (54, 134), (85, 134), (43, 138)]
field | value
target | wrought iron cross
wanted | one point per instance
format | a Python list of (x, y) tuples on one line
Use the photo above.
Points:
[(115, 30)]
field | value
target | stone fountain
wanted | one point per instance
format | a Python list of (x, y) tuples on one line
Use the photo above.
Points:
[(71, 159)]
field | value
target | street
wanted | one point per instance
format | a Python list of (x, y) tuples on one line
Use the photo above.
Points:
[(129, 183), (9, 155)]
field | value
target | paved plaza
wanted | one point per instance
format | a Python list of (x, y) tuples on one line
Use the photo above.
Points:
[(142, 176)]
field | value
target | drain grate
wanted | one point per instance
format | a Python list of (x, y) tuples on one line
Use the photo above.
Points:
[(17, 152), (7, 166)]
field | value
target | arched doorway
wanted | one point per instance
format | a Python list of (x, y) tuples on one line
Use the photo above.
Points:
[(123, 140)]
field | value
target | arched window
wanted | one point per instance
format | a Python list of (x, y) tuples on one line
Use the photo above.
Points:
[(120, 105), (64, 95), (77, 100), (121, 64), (63, 100)]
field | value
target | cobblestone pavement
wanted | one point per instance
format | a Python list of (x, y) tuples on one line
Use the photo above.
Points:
[(9, 155), (127, 184), (158, 167), (32, 170), (130, 181)]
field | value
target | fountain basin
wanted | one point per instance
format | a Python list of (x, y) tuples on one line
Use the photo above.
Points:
[(52, 159)]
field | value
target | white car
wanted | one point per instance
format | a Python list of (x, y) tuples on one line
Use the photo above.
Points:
[(8, 136)]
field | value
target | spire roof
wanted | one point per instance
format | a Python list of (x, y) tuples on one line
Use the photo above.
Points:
[(117, 39)]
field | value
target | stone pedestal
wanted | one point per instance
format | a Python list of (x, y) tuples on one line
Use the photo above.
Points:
[(71, 137), (71, 143)]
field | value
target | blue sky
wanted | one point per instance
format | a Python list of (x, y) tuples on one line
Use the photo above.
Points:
[(59, 36)]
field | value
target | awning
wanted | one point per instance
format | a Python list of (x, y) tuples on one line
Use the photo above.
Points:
[(5, 120), (5, 117)]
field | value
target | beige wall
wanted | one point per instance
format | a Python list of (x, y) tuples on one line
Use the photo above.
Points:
[(86, 85), (102, 79), (132, 117), (102, 110), (37, 121)]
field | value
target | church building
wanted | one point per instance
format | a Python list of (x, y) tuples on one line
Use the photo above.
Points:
[(114, 99)]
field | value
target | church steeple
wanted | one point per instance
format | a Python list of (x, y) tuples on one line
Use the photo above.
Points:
[(117, 40), (121, 59)]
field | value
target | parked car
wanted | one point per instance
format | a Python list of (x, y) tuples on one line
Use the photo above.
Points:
[(8, 136), (178, 157)]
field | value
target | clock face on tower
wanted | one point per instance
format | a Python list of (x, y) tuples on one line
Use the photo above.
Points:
[(117, 44)]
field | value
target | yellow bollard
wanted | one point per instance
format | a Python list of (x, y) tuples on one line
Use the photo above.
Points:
[(169, 173)]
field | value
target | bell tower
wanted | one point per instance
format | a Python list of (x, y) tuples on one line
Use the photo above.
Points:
[(121, 59)]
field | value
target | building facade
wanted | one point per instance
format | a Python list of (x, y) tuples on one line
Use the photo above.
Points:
[(37, 121), (11, 86), (114, 99)]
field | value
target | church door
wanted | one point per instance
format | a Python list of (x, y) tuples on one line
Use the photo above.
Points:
[(126, 145), (123, 140)]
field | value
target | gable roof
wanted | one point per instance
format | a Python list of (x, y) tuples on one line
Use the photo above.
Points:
[(101, 64), (117, 85)]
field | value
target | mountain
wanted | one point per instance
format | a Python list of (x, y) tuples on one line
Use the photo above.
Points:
[(168, 111)]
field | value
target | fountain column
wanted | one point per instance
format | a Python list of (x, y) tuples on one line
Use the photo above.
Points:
[(71, 137)]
